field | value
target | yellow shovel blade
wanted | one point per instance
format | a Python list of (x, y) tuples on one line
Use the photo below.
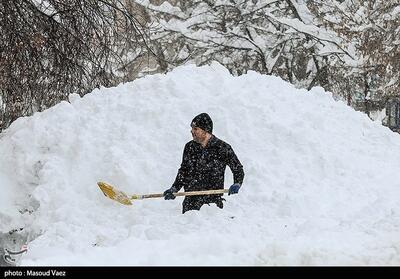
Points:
[(114, 194)]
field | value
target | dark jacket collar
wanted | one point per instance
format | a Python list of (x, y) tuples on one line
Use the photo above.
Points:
[(210, 142)]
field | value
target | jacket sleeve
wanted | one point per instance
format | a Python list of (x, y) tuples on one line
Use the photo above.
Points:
[(183, 177), (235, 166)]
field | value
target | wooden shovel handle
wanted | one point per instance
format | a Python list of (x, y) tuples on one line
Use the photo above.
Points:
[(191, 193)]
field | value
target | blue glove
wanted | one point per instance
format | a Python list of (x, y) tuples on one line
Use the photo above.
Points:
[(234, 189), (168, 194)]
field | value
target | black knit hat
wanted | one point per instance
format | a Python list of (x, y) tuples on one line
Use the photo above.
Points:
[(203, 121)]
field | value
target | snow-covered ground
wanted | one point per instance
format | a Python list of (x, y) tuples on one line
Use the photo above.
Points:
[(322, 182)]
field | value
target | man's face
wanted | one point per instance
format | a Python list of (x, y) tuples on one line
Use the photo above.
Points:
[(198, 134)]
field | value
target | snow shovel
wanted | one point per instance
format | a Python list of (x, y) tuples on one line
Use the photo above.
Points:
[(119, 196)]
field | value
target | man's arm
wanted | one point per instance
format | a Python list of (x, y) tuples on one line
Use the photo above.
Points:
[(235, 166), (182, 178)]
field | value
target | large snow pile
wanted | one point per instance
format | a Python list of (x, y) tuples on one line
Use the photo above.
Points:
[(322, 182)]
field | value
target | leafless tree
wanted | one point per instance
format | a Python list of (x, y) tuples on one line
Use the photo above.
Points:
[(271, 37), (49, 49), (372, 28)]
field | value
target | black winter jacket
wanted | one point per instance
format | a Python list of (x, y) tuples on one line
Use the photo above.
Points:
[(203, 168)]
